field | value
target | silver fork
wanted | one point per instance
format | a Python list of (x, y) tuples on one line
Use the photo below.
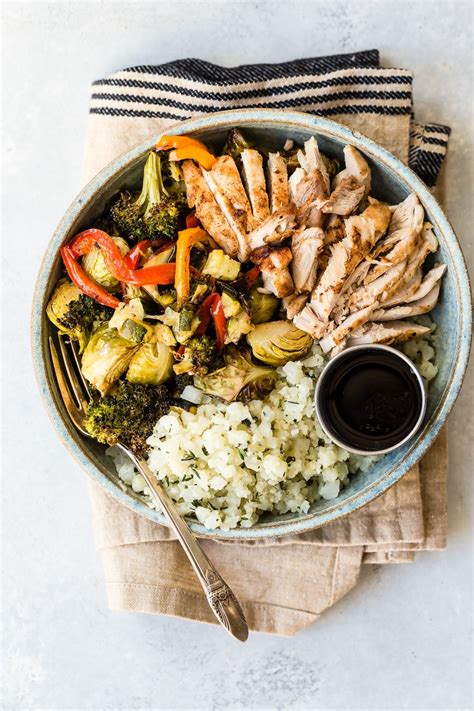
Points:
[(75, 394)]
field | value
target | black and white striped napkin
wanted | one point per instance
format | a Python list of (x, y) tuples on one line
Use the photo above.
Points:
[(350, 88)]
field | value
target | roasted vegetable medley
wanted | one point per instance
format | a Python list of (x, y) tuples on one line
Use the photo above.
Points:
[(222, 268)]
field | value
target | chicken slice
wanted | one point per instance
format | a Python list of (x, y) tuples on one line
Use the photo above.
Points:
[(278, 182), (430, 279), (339, 335), (227, 177), (428, 245), (311, 160), (273, 264), (405, 244), (334, 230), (407, 214), (294, 304), (274, 229), (254, 178), (307, 321), (232, 216), (401, 296), (306, 192), (208, 211), (387, 333), (306, 245), (362, 233), (345, 198), (357, 167), (380, 289), (415, 308)]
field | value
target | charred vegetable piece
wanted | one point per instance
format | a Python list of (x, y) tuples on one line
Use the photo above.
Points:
[(277, 342), (106, 358), (172, 318), (152, 364), (186, 240), (198, 356), (238, 373), (75, 313), (127, 415), (185, 147), (237, 318), (95, 266), (235, 143), (220, 266), (155, 212), (262, 306)]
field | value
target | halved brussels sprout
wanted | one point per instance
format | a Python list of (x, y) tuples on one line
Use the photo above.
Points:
[(277, 342), (94, 265), (262, 306), (238, 374), (152, 364), (220, 266), (58, 307), (106, 357)]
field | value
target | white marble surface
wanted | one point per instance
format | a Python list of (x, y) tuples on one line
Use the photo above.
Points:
[(402, 638)]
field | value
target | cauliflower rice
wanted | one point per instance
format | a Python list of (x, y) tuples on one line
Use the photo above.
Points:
[(226, 464)]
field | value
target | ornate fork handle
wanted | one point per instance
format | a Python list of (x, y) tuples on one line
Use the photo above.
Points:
[(220, 597)]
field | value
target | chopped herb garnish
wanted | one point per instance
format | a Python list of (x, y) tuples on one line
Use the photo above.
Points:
[(189, 456), (204, 451), (242, 453)]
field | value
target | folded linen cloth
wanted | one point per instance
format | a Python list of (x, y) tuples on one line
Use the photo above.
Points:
[(286, 583)]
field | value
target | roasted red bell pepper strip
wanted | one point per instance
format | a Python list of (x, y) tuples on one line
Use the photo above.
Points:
[(192, 220), (85, 241), (84, 282), (212, 306), (133, 257), (186, 147), (186, 239), (161, 274)]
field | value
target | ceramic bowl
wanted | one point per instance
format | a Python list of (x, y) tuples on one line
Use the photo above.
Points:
[(392, 181)]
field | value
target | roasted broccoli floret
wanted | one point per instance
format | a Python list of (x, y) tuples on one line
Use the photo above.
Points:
[(127, 415), (155, 212), (201, 352), (85, 313)]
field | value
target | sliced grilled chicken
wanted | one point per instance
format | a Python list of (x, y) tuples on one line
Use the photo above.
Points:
[(278, 182), (208, 211), (334, 230), (387, 333), (273, 262), (306, 191), (254, 178), (407, 214), (306, 320), (339, 335), (428, 245), (402, 295), (380, 289), (357, 167), (227, 176), (403, 247), (361, 234), (311, 160), (294, 304), (277, 227), (306, 245), (430, 279), (345, 198), (233, 217), (415, 308)]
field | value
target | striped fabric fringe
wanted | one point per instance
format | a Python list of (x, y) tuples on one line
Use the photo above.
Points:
[(341, 85)]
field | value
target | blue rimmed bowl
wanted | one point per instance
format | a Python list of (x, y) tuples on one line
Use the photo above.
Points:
[(392, 181)]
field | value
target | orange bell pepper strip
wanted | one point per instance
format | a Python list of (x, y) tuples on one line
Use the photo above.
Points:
[(186, 239), (186, 147)]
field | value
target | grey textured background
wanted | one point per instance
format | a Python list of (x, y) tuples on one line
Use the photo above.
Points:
[(402, 638)]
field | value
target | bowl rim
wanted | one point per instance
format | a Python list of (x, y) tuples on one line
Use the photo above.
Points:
[(284, 119)]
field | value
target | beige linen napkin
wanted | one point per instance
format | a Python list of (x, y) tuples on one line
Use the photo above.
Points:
[(286, 583)]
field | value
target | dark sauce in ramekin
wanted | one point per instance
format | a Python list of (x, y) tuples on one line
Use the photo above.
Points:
[(372, 399)]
